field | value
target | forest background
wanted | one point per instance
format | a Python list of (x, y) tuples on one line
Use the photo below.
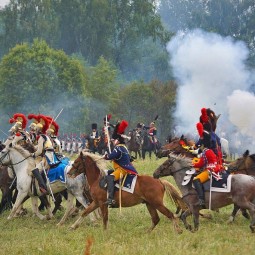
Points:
[(97, 57)]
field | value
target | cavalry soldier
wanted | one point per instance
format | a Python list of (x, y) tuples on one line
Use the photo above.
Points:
[(20, 121), (209, 122), (52, 132), (152, 132), (44, 154), (121, 160), (32, 128), (207, 161)]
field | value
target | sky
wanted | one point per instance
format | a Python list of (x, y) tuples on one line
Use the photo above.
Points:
[(4, 2)]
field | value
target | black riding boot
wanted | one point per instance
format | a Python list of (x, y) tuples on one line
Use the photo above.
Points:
[(198, 186), (110, 188), (41, 182)]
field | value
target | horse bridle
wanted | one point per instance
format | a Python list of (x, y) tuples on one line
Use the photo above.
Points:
[(7, 153)]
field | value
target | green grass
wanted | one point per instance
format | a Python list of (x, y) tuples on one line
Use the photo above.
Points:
[(126, 233)]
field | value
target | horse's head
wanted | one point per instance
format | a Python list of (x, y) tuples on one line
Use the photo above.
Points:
[(87, 163), (243, 164), (163, 170), (172, 165), (4, 154)]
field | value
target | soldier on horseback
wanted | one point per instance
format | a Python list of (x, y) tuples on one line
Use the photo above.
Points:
[(44, 155), (208, 162), (94, 135), (121, 160)]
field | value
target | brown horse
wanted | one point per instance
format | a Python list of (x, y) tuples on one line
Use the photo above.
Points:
[(242, 190), (147, 190), (178, 145)]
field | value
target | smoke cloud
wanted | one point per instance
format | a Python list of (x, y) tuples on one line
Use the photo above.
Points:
[(211, 72)]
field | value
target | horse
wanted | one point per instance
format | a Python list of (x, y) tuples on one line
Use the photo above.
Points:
[(20, 159), (242, 191), (148, 145), (6, 188), (147, 190), (178, 145), (134, 144)]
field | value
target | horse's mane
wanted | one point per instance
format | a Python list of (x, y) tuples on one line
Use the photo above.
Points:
[(180, 158), (25, 153), (99, 161)]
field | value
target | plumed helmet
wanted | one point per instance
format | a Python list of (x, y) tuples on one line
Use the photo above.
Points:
[(94, 126), (205, 136), (53, 126), (205, 120), (20, 119), (34, 119), (43, 123), (119, 130)]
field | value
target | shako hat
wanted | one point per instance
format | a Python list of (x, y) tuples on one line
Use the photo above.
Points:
[(119, 131)]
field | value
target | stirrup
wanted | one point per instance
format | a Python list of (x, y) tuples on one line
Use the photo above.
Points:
[(110, 202)]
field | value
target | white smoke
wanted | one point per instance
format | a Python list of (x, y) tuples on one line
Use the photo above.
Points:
[(211, 73)]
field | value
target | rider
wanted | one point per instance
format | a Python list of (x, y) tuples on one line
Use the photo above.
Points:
[(52, 132), (44, 154), (209, 122), (121, 160), (207, 161), (32, 128), (19, 127)]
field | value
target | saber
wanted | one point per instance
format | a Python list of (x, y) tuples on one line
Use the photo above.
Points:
[(3, 132), (54, 119), (13, 182), (107, 134), (53, 198), (210, 196)]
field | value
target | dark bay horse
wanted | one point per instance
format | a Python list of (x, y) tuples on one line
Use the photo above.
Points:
[(147, 190), (242, 190), (148, 145), (134, 144)]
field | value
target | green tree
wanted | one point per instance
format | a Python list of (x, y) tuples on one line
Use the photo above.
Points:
[(38, 79)]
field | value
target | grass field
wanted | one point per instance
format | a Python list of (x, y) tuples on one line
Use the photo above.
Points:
[(126, 233)]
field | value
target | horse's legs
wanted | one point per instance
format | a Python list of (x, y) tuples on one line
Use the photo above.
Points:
[(35, 208), (233, 214), (170, 216), (19, 200), (154, 216), (86, 211), (183, 217), (69, 207), (79, 196), (143, 154)]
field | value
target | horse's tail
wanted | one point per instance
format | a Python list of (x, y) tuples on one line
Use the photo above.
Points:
[(174, 195)]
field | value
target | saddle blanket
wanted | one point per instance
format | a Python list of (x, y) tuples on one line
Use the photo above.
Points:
[(222, 185), (58, 173), (129, 183)]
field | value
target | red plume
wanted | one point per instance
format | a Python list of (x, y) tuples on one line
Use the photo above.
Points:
[(21, 115), (204, 116), (45, 124), (11, 120), (122, 126), (109, 116), (200, 129)]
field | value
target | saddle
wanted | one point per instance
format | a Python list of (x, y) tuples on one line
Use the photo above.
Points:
[(128, 185)]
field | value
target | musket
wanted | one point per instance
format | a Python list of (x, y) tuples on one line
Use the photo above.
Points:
[(48, 181)]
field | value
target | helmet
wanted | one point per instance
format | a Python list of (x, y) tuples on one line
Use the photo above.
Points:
[(43, 124), (33, 117), (53, 126)]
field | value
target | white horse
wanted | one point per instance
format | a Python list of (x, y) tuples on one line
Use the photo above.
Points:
[(21, 160)]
